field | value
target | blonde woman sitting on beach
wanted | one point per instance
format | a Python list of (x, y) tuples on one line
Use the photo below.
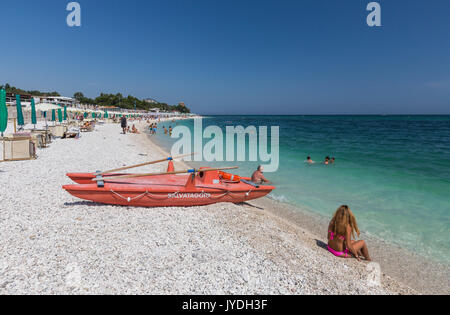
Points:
[(342, 228)]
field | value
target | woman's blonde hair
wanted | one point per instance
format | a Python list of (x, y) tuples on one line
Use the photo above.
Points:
[(341, 219)]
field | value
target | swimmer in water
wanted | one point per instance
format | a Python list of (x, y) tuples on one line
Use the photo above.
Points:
[(309, 160), (333, 160), (327, 160)]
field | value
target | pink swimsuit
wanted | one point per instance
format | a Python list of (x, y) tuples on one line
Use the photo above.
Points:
[(336, 253)]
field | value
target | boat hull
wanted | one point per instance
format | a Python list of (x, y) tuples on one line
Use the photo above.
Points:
[(165, 191), (150, 198)]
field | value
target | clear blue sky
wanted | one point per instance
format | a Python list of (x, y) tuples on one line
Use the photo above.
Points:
[(237, 57)]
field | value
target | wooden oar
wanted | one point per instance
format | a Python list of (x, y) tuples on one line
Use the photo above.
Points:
[(166, 173), (144, 164)]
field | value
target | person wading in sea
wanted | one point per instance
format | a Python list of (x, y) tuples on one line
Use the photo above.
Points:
[(258, 176)]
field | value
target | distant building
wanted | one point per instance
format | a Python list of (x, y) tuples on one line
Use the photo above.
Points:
[(110, 108), (11, 98), (58, 100)]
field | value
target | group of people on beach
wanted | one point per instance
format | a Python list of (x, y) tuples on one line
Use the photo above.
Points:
[(327, 161), (126, 128), (153, 128), (168, 131)]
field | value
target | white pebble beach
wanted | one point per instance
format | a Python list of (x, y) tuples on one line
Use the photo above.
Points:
[(53, 243)]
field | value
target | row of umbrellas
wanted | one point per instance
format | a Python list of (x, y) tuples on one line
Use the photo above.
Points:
[(20, 120), (44, 108)]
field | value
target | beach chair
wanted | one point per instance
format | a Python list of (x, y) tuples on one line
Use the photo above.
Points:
[(58, 131), (17, 148), (38, 140), (41, 138)]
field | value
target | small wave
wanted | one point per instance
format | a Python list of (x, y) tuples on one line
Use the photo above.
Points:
[(279, 198)]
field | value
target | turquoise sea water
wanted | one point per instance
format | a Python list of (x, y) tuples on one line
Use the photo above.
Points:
[(393, 171)]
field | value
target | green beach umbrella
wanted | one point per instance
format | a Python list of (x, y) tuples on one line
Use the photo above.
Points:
[(3, 112), (53, 115), (93, 115), (106, 114), (85, 114), (20, 121), (60, 115), (33, 113), (65, 112)]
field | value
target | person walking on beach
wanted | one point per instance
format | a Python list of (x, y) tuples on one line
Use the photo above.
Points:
[(258, 176), (341, 229), (123, 124)]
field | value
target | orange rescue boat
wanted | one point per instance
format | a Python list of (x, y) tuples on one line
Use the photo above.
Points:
[(196, 188)]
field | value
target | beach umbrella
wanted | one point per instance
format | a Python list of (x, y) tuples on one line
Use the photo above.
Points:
[(65, 112), (85, 114), (60, 115), (93, 115), (53, 115), (33, 113), (3, 112), (20, 121)]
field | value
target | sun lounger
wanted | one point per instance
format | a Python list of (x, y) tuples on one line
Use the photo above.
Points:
[(87, 128), (70, 135)]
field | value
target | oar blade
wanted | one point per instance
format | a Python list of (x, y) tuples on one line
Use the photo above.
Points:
[(146, 163)]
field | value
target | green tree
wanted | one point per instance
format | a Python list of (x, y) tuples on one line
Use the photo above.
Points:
[(78, 96)]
